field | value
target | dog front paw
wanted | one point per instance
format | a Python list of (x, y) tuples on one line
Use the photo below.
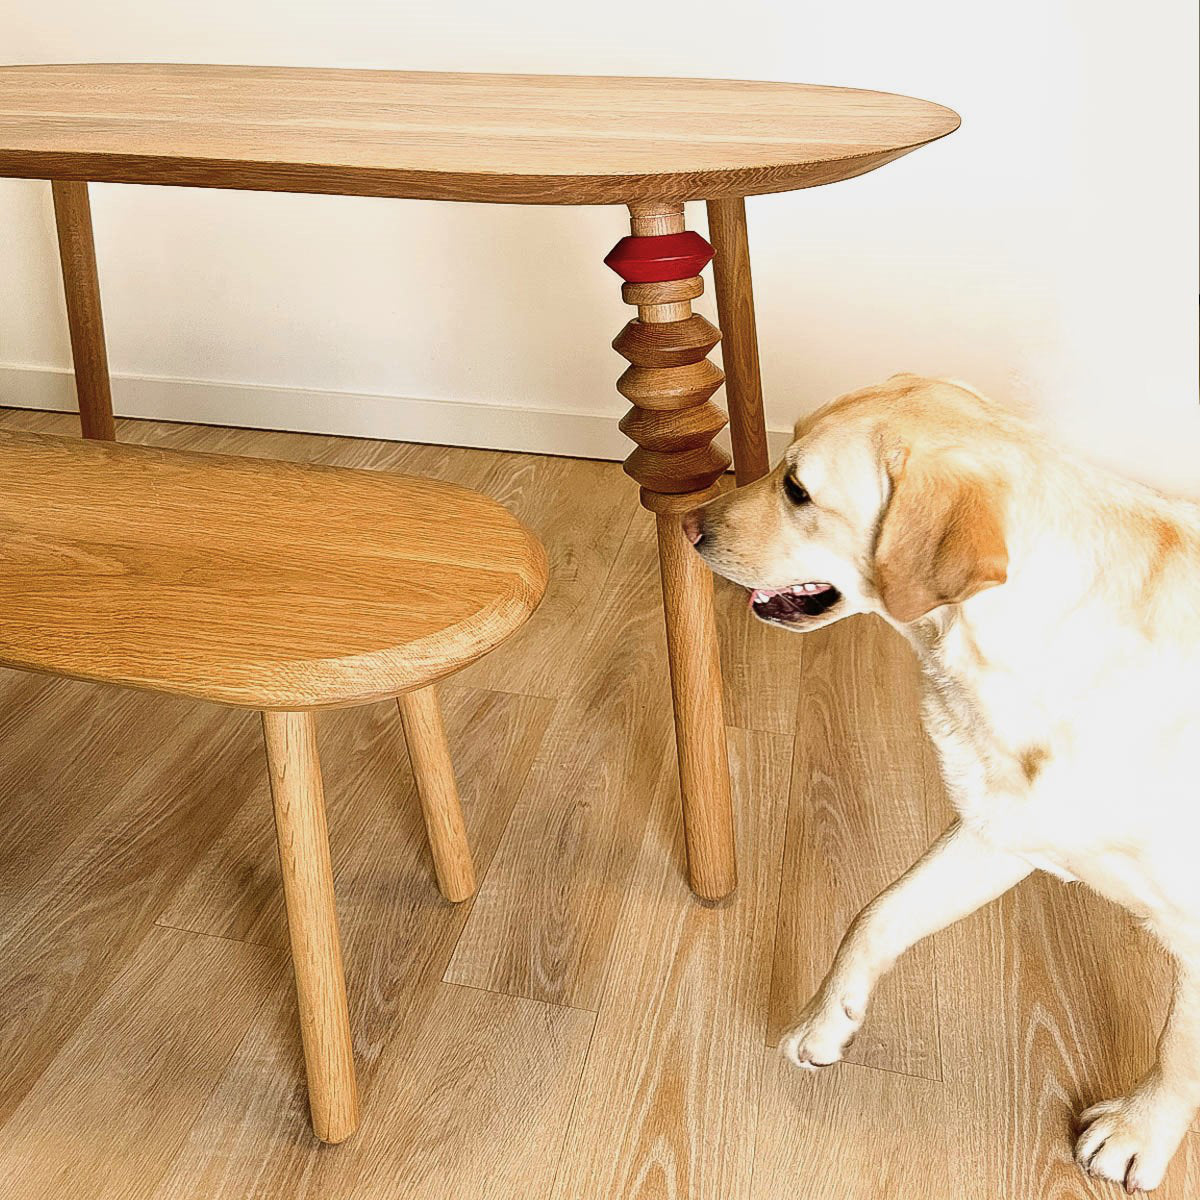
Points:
[(825, 1030), (1130, 1141)]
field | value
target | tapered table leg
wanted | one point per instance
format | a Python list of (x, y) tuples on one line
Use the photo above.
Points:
[(670, 383), (739, 338), (77, 252)]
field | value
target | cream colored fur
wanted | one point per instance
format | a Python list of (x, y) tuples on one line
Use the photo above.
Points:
[(1061, 680)]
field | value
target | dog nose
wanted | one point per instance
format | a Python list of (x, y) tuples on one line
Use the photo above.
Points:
[(693, 526)]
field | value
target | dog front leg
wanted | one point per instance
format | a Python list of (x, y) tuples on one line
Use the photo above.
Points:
[(1132, 1140), (959, 873)]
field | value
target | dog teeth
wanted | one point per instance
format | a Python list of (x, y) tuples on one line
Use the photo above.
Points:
[(796, 589)]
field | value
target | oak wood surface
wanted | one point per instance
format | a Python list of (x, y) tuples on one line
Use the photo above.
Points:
[(398, 935), (581, 511), (302, 836), (547, 908), (654, 1117), (859, 1134), (85, 321), (541, 139), (739, 337), (68, 932), (1044, 1001), (253, 583), (433, 773), (695, 662), (483, 1070), (189, 1000)]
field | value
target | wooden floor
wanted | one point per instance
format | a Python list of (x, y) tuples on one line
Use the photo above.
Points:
[(585, 1029)]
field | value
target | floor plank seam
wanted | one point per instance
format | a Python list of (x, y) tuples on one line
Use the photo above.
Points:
[(448, 686), (673, 847), (598, 614), (472, 987), (220, 937), (483, 869), (787, 829), (569, 1123), (742, 727)]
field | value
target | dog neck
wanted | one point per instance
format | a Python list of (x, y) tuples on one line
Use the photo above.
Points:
[(1099, 569)]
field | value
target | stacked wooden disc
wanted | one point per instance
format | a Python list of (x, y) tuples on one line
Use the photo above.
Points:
[(669, 381)]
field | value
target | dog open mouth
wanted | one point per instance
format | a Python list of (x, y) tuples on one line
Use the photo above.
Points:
[(795, 603)]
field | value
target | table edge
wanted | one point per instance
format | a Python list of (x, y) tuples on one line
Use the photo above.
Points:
[(464, 187)]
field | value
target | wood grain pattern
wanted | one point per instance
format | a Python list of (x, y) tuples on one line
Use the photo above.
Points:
[(85, 321), (703, 759), (853, 1133), (673, 342), (478, 1100), (433, 773), (377, 836), (294, 770), (253, 583), (69, 933), (760, 665), (545, 913), (398, 935), (668, 1103), (1052, 999), (580, 510), (539, 139), (859, 820), (49, 802), (685, 429), (739, 337), (106, 1116)]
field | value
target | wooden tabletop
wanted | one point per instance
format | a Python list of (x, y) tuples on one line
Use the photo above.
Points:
[(261, 584), (531, 139)]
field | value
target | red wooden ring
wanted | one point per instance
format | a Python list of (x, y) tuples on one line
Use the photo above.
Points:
[(660, 258)]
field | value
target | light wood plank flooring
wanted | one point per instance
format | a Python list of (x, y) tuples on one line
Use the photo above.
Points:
[(584, 1029)]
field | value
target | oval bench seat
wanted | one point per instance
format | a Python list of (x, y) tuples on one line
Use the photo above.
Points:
[(268, 585)]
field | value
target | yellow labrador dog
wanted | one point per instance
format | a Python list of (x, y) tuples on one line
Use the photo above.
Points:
[(1055, 610)]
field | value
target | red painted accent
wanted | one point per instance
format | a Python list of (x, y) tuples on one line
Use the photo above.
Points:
[(660, 258)]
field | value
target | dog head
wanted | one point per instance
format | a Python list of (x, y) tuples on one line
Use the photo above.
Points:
[(890, 500)]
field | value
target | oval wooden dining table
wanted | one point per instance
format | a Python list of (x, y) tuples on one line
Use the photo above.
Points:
[(648, 143)]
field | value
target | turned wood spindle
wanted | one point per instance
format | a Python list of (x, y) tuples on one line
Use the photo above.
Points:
[(670, 383)]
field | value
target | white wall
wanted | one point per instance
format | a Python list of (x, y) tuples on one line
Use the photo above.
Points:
[(1046, 249)]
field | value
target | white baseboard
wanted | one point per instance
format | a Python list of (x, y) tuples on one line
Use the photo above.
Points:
[(348, 414)]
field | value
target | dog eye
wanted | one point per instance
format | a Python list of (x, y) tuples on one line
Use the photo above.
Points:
[(796, 492)]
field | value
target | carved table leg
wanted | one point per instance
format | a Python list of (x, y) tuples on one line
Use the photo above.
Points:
[(670, 382)]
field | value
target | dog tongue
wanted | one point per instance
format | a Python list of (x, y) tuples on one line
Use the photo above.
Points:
[(809, 600)]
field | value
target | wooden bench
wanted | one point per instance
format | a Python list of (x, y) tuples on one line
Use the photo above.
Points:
[(279, 587)]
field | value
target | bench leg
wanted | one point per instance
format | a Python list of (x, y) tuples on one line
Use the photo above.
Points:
[(295, 773), (434, 773), (77, 252), (670, 383)]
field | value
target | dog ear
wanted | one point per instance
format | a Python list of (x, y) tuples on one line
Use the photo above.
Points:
[(941, 539)]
